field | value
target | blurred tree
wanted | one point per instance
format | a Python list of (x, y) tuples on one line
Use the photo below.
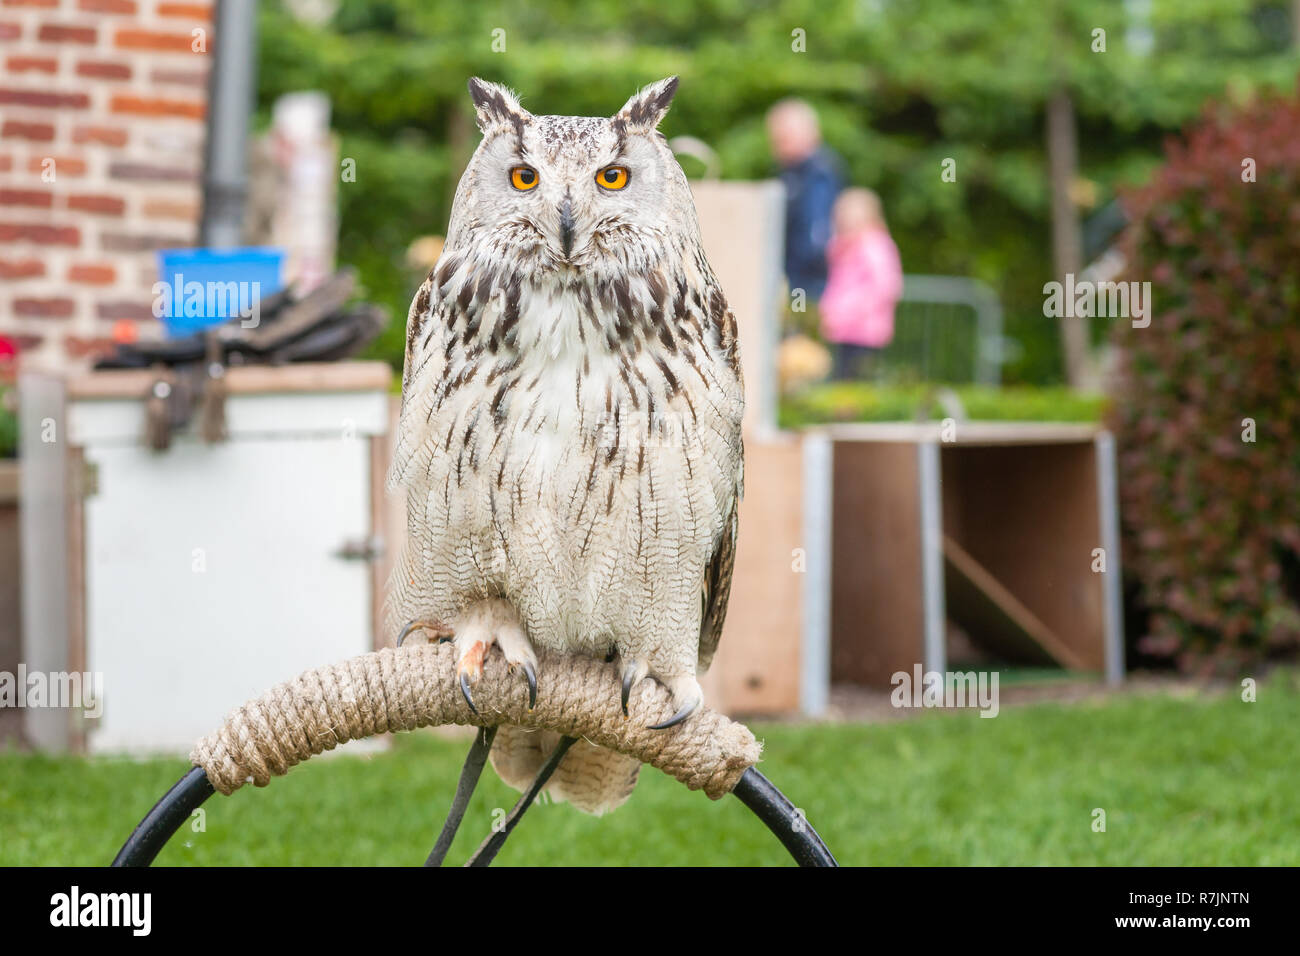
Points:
[(901, 86)]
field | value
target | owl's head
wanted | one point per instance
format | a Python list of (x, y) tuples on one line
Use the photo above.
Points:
[(573, 194)]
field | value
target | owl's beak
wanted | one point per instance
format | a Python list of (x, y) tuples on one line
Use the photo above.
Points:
[(566, 225)]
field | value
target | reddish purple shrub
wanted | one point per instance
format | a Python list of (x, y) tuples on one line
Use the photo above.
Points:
[(1211, 519)]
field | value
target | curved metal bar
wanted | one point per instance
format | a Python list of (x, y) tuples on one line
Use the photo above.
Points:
[(487, 852), (469, 774), (165, 819), (754, 790), (788, 824)]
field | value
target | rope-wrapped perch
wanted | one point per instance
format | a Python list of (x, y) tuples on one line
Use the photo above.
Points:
[(416, 686)]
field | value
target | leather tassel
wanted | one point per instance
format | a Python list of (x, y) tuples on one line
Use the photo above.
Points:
[(212, 416)]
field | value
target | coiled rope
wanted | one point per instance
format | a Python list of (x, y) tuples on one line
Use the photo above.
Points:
[(416, 686)]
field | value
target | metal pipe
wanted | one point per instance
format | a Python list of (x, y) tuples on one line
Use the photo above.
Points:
[(232, 86), (165, 819), (789, 825)]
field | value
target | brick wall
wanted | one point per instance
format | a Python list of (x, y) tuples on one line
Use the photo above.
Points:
[(102, 106)]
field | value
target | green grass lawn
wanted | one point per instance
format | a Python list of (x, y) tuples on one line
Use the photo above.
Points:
[(1201, 780)]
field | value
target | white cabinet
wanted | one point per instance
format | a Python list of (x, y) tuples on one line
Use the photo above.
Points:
[(200, 576)]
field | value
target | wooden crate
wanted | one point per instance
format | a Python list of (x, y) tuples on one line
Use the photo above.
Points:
[(10, 590), (997, 529)]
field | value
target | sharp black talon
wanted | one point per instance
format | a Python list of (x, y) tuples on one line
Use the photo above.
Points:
[(464, 689), (414, 626), (675, 719), (530, 672), (627, 689)]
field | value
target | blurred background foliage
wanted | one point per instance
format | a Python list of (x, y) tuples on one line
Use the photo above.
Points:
[(1207, 400), (900, 85), (872, 402)]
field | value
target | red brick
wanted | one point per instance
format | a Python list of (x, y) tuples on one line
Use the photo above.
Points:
[(124, 242), (117, 311), (44, 308), (171, 209), (156, 106), (103, 135), (32, 64), (21, 268), (44, 99), (41, 198), (10, 31), (47, 4), (100, 205), (79, 347), (107, 6), (187, 11), (197, 78), (36, 132), (147, 172), (63, 33), (6, 163), (41, 234), (154, 40), (63, 165), (92, 273), (26, 340), (104, 71)]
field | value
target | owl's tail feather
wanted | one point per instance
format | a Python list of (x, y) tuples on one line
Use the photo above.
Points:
[(593, 779)]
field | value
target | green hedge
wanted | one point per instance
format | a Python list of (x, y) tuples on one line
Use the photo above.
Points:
[(860, 402), (1208, 410)]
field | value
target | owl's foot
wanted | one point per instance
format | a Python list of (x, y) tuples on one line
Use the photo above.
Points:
[(633, 672), (435, 629), (687, 697), (686, 692), (477, 629)]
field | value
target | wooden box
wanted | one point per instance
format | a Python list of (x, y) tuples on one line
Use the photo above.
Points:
[(1009, 530)]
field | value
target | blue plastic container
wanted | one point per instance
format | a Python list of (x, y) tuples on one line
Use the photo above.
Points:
[(208, 286)]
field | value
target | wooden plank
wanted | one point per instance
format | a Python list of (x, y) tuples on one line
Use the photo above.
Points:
[(1028, 514), (741, 228), (756, 669), (44, 534), (965, 433), (76, 594), (994, 618), (877, 601), (244, 379)]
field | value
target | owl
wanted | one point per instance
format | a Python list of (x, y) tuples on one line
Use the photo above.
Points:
[(570, 434)]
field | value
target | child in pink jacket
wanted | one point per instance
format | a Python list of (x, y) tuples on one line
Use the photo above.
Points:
[(865, 282)]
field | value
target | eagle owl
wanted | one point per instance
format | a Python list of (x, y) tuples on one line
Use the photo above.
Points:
[(570, 436)]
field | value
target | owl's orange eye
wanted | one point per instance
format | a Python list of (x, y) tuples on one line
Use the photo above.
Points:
[(612, 177), (523, 177)]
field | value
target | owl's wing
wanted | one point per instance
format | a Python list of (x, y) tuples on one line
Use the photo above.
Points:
[(716, 591), (718, 574), (425, 370)]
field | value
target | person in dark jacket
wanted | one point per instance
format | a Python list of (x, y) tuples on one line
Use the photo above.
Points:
[(812, 178)]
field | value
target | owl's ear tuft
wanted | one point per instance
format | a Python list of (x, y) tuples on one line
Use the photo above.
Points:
[(496, 105), (647, 107)]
